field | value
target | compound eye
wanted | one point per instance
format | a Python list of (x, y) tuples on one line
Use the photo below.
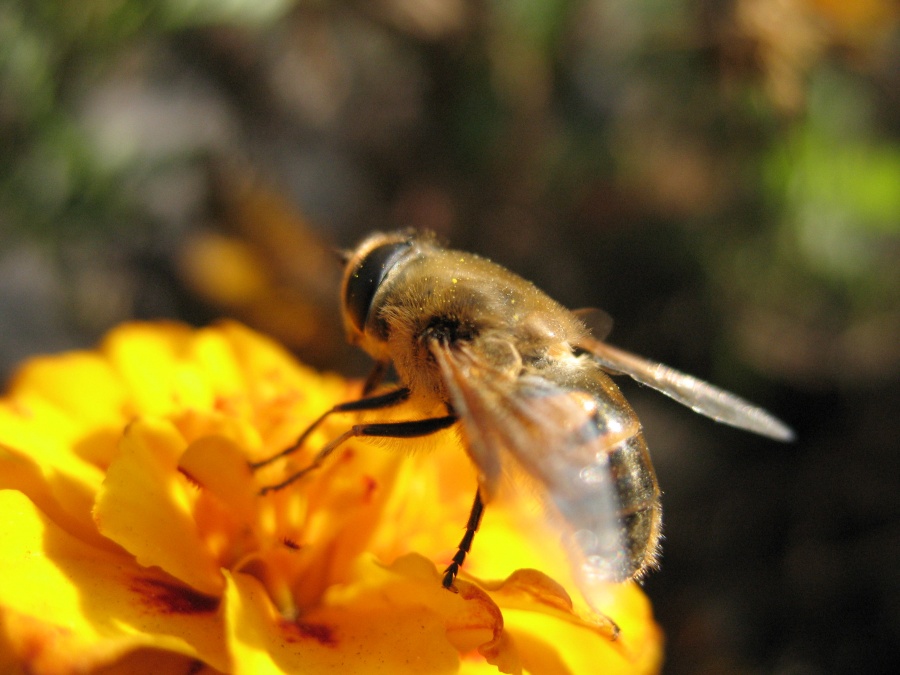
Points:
[(364, 280)]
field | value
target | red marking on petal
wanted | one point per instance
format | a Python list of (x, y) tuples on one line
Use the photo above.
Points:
[(169, 598), (20, 409), (225, 404), (369, 487), (291, 544), (193, 481), (297, 631), (38, 638)]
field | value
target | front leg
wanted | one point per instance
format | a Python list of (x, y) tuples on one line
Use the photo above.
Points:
[(387, 400), (465, 543), (410, 429)]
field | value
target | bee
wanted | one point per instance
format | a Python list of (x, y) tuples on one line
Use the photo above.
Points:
[(529, 389)]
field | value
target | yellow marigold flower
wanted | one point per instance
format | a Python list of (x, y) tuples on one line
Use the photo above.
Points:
[(134, 539)]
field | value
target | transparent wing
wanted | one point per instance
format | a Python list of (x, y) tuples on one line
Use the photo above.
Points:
[(597, 321), (582, 450), (696, 394)]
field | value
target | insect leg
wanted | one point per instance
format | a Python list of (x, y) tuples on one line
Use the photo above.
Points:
[(466, 542), (369, 403), (379, 370), (411, 429)]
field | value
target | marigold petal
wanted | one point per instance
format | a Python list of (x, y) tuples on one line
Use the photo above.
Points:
[(157, 368), (551, 647), (154, 662), (219, 467), (269, 370), (41, 444), (60, 380), (345, 506), (430, 505), (168, 368), (391, 641), (66, 606), (475, 664), (552, 637), (225, 510), (471, 617), (66, 502), (212, 349), (145, 504)]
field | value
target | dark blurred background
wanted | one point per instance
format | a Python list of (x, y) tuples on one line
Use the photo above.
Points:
[(721, 176)]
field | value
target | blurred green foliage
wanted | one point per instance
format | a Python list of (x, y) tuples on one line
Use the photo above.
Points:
[(759, 134)]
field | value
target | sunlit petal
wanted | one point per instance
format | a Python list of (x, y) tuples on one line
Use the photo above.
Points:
[(146, 506), (394, 620), (67, 606)]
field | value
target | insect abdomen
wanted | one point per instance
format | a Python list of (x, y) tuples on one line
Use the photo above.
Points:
[(610, 499), (638, 504)]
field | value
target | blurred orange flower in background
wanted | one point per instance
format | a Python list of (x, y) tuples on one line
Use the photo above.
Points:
[(134, 540)]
